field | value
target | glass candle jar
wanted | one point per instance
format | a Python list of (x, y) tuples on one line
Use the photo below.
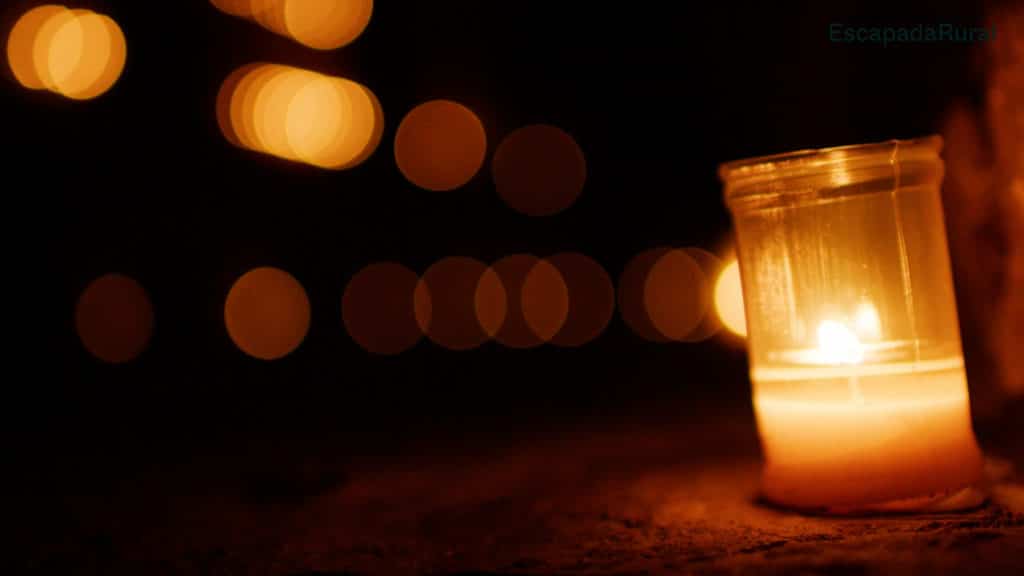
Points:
[(854, 344)]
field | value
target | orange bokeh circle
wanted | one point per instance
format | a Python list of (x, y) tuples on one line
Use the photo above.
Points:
[(591, 298), (379, 308), (676, 295), (539, 170), (76, 53), (537, 301), (440, 145), (114, 318), (267, 313), (300, 115), (467, 303)]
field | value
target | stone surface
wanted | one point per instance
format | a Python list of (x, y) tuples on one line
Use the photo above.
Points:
[(676, 499)]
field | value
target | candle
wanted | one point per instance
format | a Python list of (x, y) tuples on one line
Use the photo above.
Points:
[(858, 380), (837, 432)]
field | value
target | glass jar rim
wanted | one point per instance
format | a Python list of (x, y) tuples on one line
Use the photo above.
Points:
[(739, 174)]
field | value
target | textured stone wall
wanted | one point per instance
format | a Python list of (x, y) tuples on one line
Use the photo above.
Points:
[(984, 197)]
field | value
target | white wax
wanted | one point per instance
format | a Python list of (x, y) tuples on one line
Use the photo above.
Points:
[(864, 434)]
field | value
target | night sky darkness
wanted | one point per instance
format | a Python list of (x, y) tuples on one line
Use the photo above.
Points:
[(140, 181)]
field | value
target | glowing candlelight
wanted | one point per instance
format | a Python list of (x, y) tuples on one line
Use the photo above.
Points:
[(837, 345), (859, 386)]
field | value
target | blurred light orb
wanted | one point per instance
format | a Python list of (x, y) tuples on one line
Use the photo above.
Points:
[(21, 44), (379, 308), (225, 97), (299, 115), (317, 24), (440, 145), (591, 298), (537, 301), (267, 313), (665, 294), (676, 295), (326, 24), (76, 53), (73, 66), (711, 266), (114, 318), (539, 170), (544, 300), (54, 58), (729, 299), (490, 301), (632, 294), (467, 303), (241, 8)]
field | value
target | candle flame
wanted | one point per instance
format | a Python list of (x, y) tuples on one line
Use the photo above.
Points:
[(838, 345), (866, 322)]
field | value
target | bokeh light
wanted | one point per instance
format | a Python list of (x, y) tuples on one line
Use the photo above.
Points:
[(440, 145), (544, 299), (242, 117), (591, 298), (665, 294), (676, 295), (511, 271), (711, 266), (631, 297), (66, 56), (539, 170), (729, 299), (327, 24), (466, 303), (95, 79), (490, 302), (242, 8), (317, 24), (76, 53), (537, 300), (300, 115), (51, 60), (21, 44), (267, 313), (114, 318), (225, 96), (379, 308)]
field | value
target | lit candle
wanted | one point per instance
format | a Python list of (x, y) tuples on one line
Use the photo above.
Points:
[(838, 432), (859, 387)]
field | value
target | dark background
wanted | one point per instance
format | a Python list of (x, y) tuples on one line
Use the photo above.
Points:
[(140, 181)]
